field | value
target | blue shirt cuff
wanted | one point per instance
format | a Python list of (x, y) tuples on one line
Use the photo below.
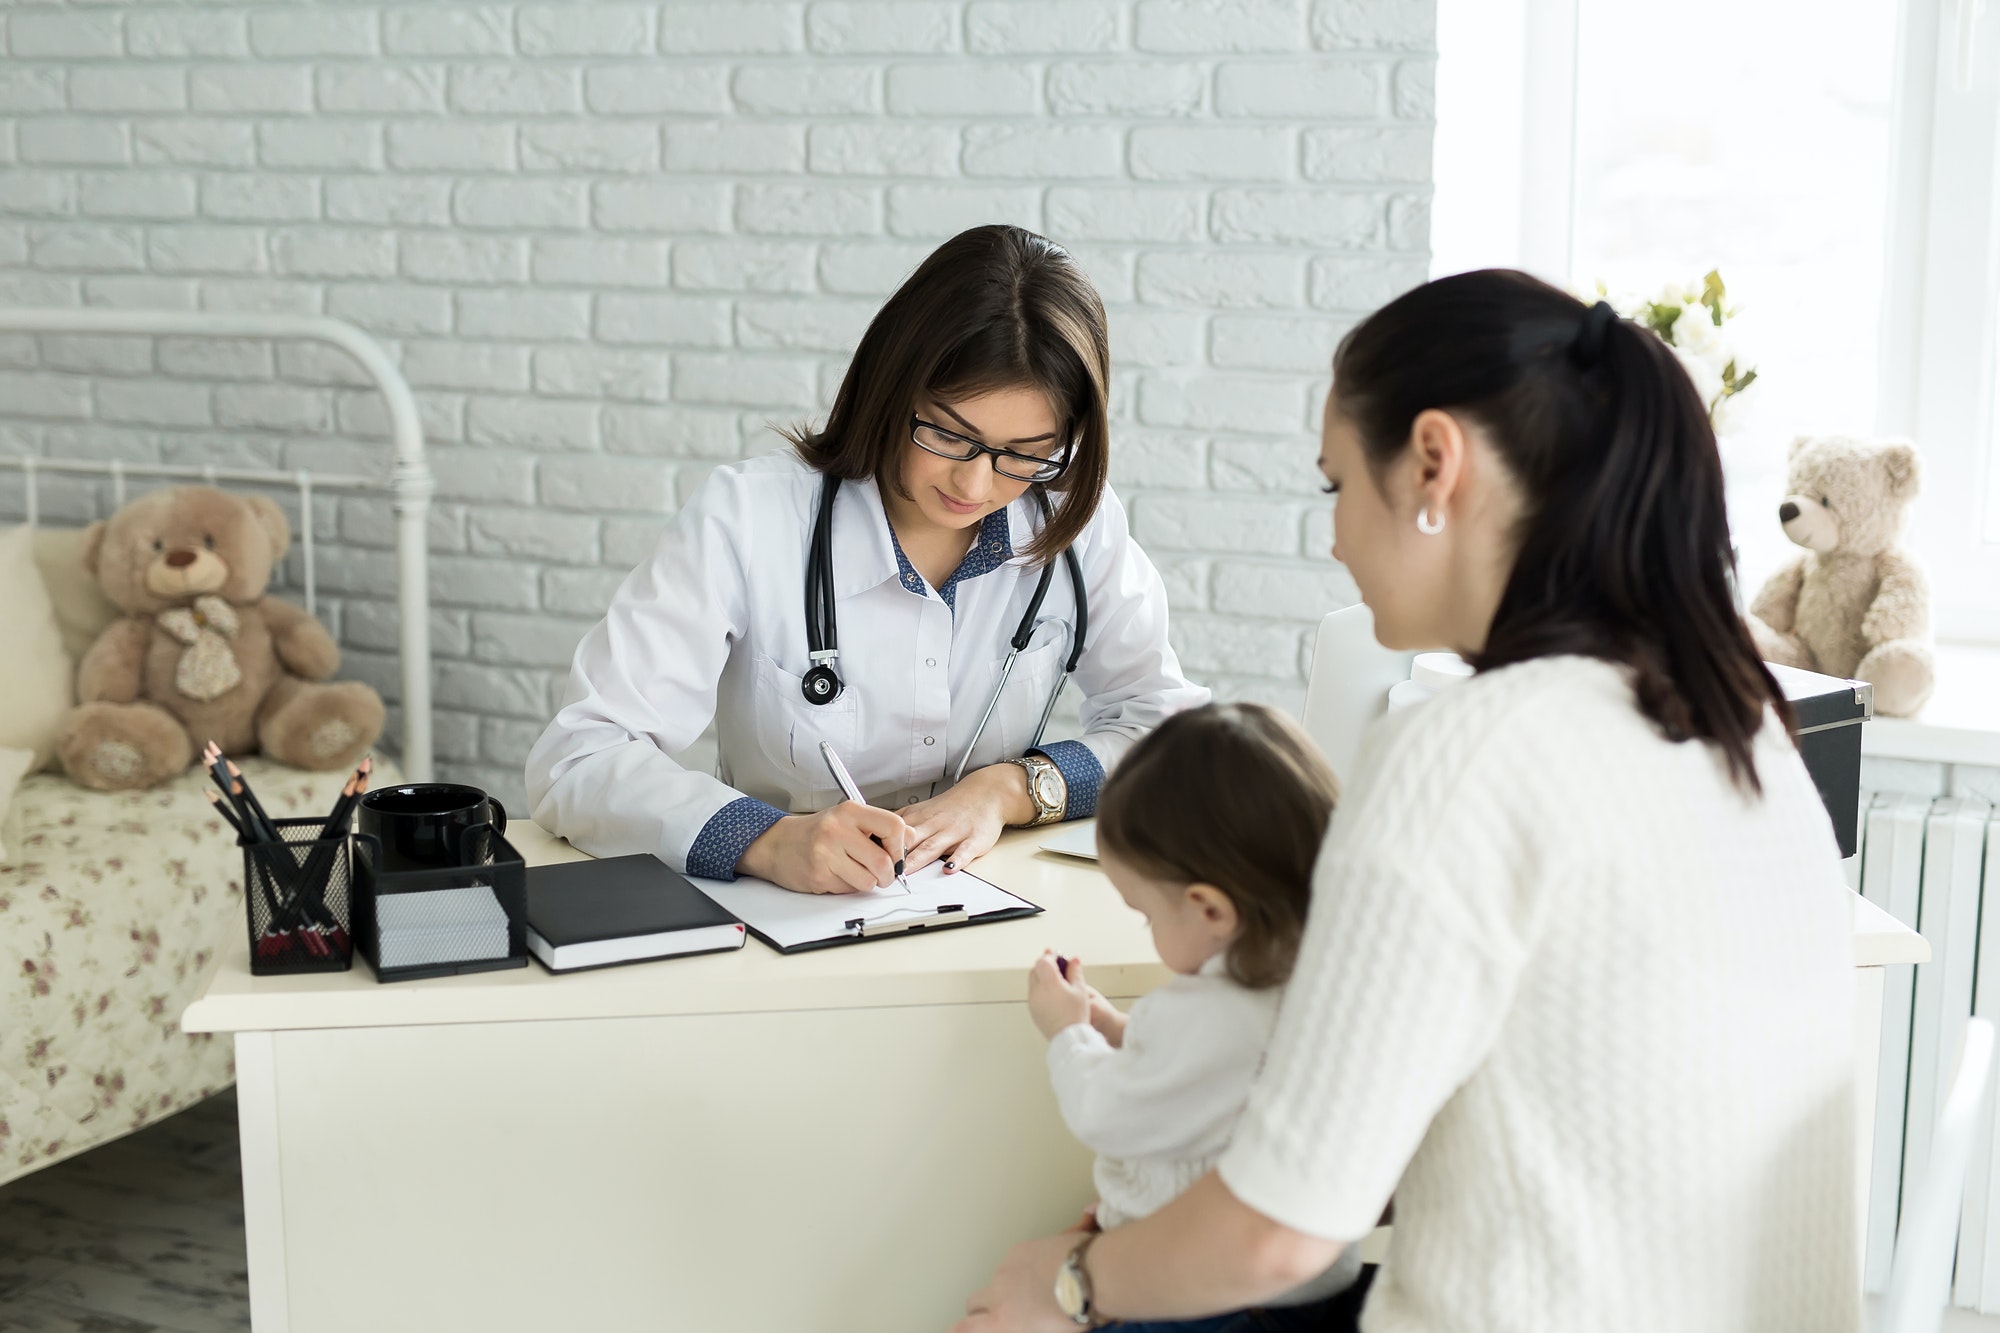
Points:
[(1081, 771), (728, 834)]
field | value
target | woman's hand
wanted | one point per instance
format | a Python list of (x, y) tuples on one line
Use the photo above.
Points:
[(1021, 1298), (1056, 1002), (833, 851), (963, 824)]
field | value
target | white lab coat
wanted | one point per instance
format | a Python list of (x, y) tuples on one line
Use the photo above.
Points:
[(712, 626)]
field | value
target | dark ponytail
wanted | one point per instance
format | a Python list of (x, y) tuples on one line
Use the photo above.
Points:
[(1623, 546)]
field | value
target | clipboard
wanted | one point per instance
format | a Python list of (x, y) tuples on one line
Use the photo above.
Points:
[(798, 922)]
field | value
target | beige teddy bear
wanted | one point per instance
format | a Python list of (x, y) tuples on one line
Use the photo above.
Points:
[(1855, 604), (201, 653)]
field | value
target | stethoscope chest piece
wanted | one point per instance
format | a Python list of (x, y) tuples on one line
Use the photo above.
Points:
[(821, 685)]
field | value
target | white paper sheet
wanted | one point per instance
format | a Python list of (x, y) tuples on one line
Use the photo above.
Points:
[(460, 925), (790, 919)]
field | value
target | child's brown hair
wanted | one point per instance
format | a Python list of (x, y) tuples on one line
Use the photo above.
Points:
[(1232, 795)]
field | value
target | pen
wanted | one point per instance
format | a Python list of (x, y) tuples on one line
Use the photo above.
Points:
[(1062, 967), (853, 793)]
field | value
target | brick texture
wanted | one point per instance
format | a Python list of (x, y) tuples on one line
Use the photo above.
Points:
[(609, 244)]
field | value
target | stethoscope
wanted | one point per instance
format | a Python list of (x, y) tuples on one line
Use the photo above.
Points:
[(821, 683)]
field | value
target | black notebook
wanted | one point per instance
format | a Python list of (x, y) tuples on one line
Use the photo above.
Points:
[(624, 909)]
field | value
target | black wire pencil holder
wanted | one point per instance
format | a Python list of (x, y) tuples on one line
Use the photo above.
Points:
[(298, 897)]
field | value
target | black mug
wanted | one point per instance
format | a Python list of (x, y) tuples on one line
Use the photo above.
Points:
[(432, 825)]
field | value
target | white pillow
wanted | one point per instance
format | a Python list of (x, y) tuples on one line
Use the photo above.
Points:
[(14, 765), (37, 679), (82, 609)]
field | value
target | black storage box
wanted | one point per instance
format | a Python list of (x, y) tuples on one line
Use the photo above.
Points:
[(1829, 712), (506, 875)]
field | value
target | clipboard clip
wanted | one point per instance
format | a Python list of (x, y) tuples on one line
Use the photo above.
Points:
[(867, 927)]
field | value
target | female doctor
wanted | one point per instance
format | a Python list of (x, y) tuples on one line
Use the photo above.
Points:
[(907, 584)]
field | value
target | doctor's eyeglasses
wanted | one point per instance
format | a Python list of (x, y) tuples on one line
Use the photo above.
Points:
[(1018, 467)]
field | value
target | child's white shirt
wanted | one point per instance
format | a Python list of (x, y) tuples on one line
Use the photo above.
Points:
[(1159, 1109)]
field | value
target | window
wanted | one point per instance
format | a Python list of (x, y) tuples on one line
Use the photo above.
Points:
[(1824, 158), (1939, 325)]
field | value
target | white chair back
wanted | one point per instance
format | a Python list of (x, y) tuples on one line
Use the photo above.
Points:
[(1927, 1238), (1349, 684)]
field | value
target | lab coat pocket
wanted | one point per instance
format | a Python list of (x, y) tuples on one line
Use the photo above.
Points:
[(1020, 710), (789, 731)]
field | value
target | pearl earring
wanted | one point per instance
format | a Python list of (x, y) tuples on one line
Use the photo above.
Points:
[(1427, 525)]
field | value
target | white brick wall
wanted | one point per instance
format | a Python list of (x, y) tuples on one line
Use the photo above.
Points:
[(609, 243)]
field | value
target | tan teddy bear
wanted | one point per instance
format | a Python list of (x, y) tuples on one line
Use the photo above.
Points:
[(201, 652), (1855, 604)]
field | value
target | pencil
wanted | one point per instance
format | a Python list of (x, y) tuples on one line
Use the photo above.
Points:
[(216, 800), (335, 827), (245, 825), (250, 797), (343, 809)]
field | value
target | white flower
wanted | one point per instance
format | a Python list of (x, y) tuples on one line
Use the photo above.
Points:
[(1726, 414), (1707, 376), (1695, 332)]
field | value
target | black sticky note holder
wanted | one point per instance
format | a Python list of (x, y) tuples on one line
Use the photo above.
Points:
[(506, 874)]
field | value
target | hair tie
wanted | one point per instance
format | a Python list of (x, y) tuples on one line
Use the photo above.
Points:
[(1589, 343)]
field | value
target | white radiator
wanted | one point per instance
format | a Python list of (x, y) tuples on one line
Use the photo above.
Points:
[(1935, 866)]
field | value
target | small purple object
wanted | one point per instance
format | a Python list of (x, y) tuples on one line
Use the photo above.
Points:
[(1062, 966)]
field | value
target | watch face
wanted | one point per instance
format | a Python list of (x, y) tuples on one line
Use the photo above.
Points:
[(1069, 1292), (1048, 789)]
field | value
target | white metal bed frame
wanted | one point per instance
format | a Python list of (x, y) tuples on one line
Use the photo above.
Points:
[(409, 484)]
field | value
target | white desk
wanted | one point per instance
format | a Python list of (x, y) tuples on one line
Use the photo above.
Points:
[(840, 1140)]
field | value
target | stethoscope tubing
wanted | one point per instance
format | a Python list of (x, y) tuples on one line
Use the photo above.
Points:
[(822, 630), (1000, 688)]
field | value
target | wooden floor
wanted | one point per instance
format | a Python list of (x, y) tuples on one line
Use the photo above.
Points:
[(141, 1234)]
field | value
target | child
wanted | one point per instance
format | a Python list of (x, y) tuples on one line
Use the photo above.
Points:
[(1209, 828)]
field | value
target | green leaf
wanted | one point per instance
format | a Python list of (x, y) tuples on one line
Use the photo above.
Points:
[(1712, 294), (1735, 382)]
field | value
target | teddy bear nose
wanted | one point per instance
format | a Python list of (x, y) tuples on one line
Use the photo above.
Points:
[(180, 559), (1787, 512)]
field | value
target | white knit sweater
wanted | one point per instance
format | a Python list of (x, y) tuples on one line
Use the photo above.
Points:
[(1586, 1010)]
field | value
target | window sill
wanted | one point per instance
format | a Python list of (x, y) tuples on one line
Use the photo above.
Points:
[(1961, 723)]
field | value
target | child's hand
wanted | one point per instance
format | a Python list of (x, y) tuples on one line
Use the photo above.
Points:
[(1108, 1019), (1053, 1001), (1103, 1015)]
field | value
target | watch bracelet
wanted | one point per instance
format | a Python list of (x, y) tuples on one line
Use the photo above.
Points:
[(1026, 763), (1075, 1261)]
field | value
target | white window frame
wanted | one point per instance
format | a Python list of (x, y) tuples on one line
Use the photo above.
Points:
[(1941, 299), (1940, 317)]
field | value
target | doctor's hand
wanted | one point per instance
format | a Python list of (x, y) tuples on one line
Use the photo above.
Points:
[(963, 823), (833, 851)]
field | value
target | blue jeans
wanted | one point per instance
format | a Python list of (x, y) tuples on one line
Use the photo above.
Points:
[(1339, 1313)]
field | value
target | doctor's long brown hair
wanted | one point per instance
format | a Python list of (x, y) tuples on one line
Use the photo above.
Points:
[(995, 307)]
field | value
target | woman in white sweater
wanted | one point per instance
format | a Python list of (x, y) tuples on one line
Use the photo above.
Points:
[(1576, 983)]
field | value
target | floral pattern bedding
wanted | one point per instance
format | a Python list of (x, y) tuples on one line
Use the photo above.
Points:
[(112, 907)]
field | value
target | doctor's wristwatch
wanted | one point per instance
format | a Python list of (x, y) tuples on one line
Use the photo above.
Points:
[(1073, 1292), (1047, 788)]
